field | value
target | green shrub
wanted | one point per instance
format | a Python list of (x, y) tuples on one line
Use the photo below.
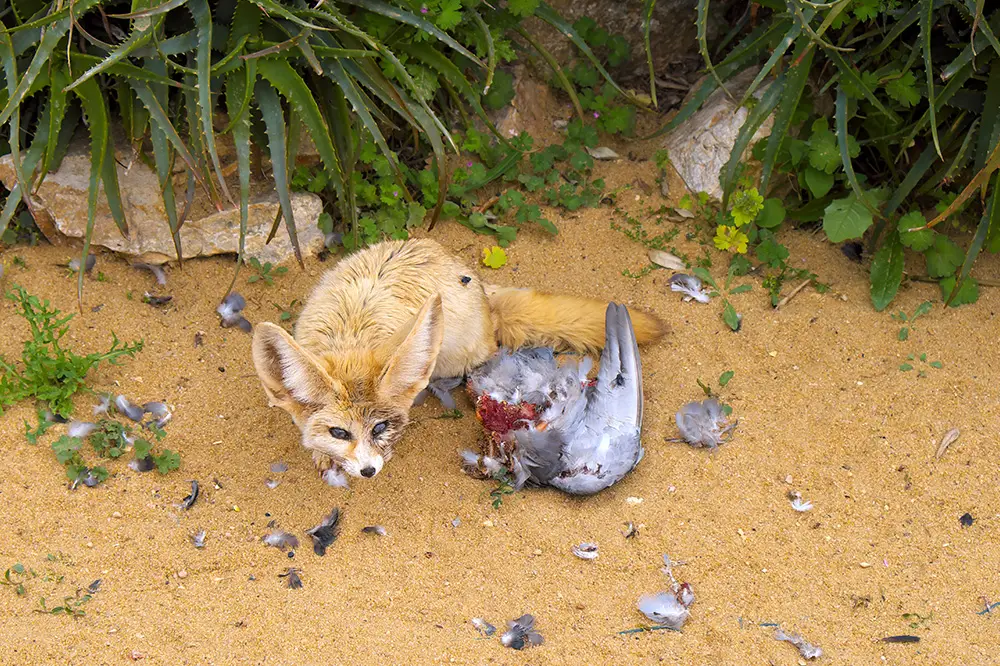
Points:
[(882, 109)]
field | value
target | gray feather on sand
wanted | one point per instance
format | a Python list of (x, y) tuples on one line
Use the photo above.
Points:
[(281, 539), (521, 633), (806, 649), (704, 424), (665, 609), (690, 286)]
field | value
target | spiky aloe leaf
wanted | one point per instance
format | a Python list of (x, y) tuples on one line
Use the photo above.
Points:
[(353, 95), (403, 16), (124, 70), (979, 180), (145, 11), (203, 21), (59, 23), (237, 88), (988, 226), (143, 28), (96, 112), (32, 157), (840, 122), (926, 23), (491, 51), (850, 73), (164, 161), (112, 190), (557, 69), (755, 118), (450, 72), (702, 23), (910, 181), (158, 117), (779, 51), (293, 136), (647, 22), (989, 130), (274, 122), (9, 64), (797, 77)]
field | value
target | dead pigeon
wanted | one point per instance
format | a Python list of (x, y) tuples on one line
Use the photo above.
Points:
[(548, 424), (704, 424), (521, 633)]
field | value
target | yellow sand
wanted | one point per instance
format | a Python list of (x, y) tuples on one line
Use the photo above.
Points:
[(820, 400)]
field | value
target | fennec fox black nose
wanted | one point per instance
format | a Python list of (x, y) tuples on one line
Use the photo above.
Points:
[(368, 472)]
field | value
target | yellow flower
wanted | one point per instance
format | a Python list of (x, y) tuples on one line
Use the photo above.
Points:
[(731, 238)]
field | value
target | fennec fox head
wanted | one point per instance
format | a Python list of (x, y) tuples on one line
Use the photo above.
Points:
[(351, 407)]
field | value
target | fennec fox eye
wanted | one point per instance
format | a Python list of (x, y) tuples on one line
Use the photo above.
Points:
[(340, 433), (379, 428)]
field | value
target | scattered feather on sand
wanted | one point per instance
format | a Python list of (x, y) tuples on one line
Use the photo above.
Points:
[(665, 609), (146, 464), (104, 404), (279, 467), (375, 529), (483, 627), (292, 579), (801, 505), (704, 424), (335, 478), (198, 539), (806, 649), (631, 531), (230, 310), (160, 413), (281, 540), (690, 286), (156, 301), (133, 412), (586, 550), (324, 534), (80, 429), (157, 271), (271, 483), (521, 633), (189, 500), (74, 264)]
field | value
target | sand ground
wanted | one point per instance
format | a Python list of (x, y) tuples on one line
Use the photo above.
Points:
[(821, 403)]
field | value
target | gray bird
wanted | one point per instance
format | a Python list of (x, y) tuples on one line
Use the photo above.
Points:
[(547, 424)]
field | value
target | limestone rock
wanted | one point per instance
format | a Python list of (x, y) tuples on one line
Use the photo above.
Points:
[(699, 149), (60, 204)]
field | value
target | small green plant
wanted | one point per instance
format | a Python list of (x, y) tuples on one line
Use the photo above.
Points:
[(15, 577), (71, 606), (908, 321), (922, 359), (724, 380), (43, 425), (450, 414), (49, 372), (287, 313), (597, 97), (265, 272), (505, 487), (729, 315)]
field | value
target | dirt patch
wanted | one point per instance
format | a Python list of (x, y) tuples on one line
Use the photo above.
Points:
[(820, 399)]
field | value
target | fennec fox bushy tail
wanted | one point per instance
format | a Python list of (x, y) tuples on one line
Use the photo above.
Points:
[(387, 320)]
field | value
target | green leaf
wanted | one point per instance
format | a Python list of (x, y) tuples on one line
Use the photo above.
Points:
[(755, 118), (167, 461), (989, 221), (926, 24), (818, 182), (915, 240), (846, 218), (851, 78), (725, 377), (797, 77), (203, 22), (944, 257), (887, 272), (274, 121), (770, 251), (903, 89), (846, 150), (730, 317), (906, 367), (494, 257), (955, 294), (772, 214)]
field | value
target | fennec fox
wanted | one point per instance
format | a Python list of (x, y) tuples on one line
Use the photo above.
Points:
[(386, 321)]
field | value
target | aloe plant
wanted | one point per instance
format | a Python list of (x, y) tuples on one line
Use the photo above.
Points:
[(164, 71)]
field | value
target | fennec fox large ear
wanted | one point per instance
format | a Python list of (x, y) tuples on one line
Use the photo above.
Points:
[(291, 377), (413, 357)]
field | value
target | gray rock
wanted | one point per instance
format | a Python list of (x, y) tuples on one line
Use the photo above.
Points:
[(700, 147), (62, 199)]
